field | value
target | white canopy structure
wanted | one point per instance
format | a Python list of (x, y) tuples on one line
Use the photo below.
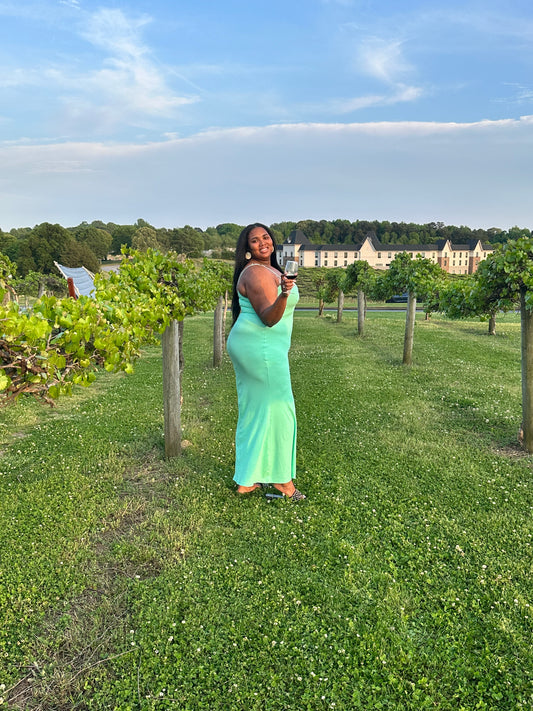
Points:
[(82, 279)]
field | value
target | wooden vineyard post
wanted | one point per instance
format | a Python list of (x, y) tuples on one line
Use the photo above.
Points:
[(172, 389), (218, 332)]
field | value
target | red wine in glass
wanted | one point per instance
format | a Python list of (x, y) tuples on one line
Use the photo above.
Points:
[(291, 269)]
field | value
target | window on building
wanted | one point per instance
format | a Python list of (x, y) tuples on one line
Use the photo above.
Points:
[(316, 262), (345, 262), (325, 262), (389, 255), (379, 255), (345, 255), (454, 262), (335, 263)]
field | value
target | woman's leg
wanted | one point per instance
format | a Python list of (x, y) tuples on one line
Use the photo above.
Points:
[(288, 489)]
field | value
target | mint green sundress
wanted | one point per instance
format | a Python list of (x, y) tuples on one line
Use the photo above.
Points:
[(265, 440)]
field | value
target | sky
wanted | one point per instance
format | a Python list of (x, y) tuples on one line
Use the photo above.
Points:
[(200, 112)]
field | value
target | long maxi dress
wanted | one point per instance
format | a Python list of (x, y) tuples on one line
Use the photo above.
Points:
[(265, 440)]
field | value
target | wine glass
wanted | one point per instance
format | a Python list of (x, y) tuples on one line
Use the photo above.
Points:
[(291, 269)]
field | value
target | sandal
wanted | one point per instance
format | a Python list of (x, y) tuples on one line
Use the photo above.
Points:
[(296, 495)]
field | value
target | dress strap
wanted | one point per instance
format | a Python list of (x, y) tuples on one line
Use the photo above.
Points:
[(255, 264)]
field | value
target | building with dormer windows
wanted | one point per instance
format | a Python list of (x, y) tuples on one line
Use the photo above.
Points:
[(452, 258)]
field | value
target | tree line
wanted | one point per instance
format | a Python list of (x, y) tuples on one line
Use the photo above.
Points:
[(346, 232), (34, 250)]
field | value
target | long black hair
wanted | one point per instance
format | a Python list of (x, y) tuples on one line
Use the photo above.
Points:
[(243, 246)]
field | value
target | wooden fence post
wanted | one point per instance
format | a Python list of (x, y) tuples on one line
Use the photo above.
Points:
[(218, 332), (340, 305), (172, 389), (360, 312), (409, 329)]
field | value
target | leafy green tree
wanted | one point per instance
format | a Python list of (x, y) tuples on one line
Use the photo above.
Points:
[(320, 283), (25, 261), (36, 284), (96, 239), (229, 233), (469, 296), (336, 281), (21, 232), (331, 289), (282, 228), (10, 245), (99, 225), (212, 239), (145, 238), (508, 273), (76, 254), (415, 276), (121, 238), (186, 240), (47, 244), (142, 223)]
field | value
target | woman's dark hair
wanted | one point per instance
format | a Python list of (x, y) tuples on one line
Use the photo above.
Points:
[(241, 261)]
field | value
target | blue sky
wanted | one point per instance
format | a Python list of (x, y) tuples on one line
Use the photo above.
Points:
[(203, 111)]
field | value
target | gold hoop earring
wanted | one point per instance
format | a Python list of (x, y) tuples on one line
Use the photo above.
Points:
[(247, 255)]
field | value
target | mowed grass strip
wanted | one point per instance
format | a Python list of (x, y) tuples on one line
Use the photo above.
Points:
[(403, 582)]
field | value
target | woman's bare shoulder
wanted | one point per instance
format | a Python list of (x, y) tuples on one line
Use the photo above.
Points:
[(258, 276)]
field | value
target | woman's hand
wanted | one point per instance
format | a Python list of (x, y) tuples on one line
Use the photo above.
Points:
[(286, 285), (260, 286)]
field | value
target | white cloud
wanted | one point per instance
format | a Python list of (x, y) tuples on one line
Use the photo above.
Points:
[(382, 60), (476, 174), (113, 31), (127, 88), (400, 94)]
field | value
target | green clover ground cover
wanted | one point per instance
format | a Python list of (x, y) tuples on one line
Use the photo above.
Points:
[(403, 582)]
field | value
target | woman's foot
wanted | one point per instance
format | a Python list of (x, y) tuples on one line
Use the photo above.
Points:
[(290, 491), (247, 489)]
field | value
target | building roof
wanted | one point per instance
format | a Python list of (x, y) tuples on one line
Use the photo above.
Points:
[(297, 237)]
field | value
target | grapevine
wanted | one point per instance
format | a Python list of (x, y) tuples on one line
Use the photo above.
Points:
[(62, 342)]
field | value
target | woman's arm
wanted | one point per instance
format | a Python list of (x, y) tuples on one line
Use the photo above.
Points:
[(260, 286)]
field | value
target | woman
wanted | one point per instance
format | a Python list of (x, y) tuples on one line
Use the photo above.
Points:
[(258, 345)]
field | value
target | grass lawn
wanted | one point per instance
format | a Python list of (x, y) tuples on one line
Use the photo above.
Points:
[(404, 581)]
